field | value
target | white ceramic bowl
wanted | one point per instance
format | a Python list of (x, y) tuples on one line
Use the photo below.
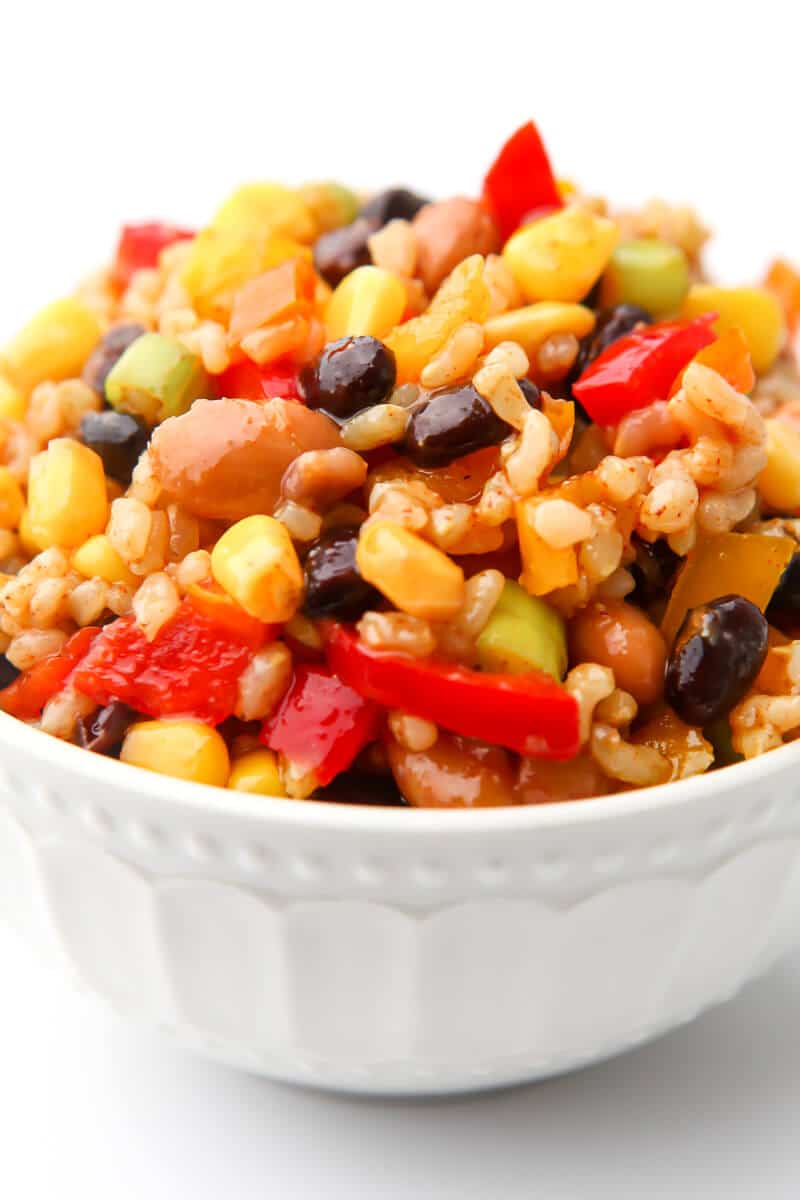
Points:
[(397, 951)]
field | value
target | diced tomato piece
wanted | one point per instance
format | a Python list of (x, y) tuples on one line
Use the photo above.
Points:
[(190, 669), (520, 181), (247, 381), (140, 245), (321, 724), (27, 695)]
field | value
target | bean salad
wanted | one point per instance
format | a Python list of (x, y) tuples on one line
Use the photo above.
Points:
[(387, 499)]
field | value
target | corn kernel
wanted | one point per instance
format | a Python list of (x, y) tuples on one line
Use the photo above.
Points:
[(53, 345), (259, 206), (562, 256), (12, 501), (183, 749), (779, 482), (12, 401), (544, 568), (368, 301), (755, 311), (67, 500), (97, 559), (256, 563), (257, 772), (415, 576), (532, 325)]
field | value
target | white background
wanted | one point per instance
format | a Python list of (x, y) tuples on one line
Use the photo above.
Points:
[(111, 112)]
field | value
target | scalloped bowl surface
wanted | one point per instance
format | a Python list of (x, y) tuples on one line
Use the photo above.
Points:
[(395, 951)]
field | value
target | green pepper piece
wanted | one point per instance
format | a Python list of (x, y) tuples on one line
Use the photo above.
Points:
[(523, 634), (156, 378), (719, 734), (651, 274)]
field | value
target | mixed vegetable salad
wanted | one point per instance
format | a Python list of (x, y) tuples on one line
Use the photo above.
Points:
[(479, 501)]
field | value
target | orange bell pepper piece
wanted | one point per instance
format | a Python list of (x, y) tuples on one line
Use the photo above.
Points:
[(784, 282), (729, 356), (284, 292)]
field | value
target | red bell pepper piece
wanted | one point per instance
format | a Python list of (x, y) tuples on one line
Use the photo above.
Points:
[(247, 381), (140, 245), (640, 368), (190, 669), (520, 181), (321, 724), (528, 713), (27, 695)]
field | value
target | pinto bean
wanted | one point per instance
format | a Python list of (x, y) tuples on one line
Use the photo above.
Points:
[(224, 459), (453, 773), (447, 232), (618, 635)]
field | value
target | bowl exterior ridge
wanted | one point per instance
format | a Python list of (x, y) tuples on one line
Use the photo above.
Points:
[(404, 958)]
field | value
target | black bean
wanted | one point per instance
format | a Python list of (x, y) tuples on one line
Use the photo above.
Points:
[(362, 787), (717, 654), (333, 585), (339, 252), (393, 204), (348, 376), (118, 438), (111, 348), (653, 569), (103, 731), (449, 424), (8, 672), (531, 392), (612, 324), (784, 607)]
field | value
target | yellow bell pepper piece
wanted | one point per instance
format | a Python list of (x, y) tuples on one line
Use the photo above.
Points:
[(53, 345), (418, 578), (561, 257), (753, 310), (749, 564), (368, 301), (462, 296)]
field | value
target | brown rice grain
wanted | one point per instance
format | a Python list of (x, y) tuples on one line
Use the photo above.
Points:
[(34, 644), (155, 602), (641, 766), (397, 631), (532, 454), (413, 733), (303, 524), (457, 357), (263, 682), (394, 247), (377, 426), (61, 714), (555, 356), (560, 523), (87, 601)]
